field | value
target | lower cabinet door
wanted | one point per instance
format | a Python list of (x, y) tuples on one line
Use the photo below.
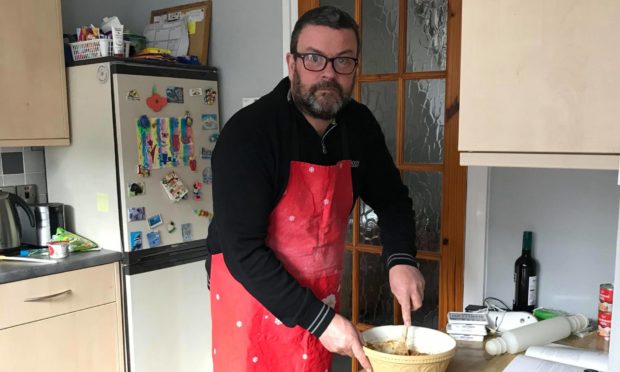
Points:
[(85, 340)]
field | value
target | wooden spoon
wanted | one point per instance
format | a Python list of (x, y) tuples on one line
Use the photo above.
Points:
[(401, 347)]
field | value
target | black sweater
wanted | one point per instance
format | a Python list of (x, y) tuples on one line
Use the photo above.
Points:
[(250, 172)]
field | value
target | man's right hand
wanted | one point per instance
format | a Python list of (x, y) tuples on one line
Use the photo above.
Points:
[(342, 337)]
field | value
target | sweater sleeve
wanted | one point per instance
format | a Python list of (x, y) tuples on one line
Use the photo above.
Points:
[(244, 193), (383, 190)]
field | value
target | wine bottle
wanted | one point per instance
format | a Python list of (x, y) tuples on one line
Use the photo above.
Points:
[(525, 277)]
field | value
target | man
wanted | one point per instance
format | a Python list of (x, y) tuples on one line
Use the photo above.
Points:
[(286, 173)]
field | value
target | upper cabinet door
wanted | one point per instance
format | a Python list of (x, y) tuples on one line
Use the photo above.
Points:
[(33, 96), (540, 76)]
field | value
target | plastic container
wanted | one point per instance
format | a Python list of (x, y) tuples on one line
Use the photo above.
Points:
[(536, 334), (438, 346), (95, 48)]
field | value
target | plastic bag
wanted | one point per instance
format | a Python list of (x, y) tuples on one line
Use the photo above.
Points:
[(76, 243)]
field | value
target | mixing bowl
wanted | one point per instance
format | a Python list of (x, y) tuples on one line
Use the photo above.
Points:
[(436, 348)]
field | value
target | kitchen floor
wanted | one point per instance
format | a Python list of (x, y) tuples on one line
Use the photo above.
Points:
[(341, 363)]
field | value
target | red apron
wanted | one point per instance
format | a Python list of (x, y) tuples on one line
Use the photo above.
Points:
[(307, 231)]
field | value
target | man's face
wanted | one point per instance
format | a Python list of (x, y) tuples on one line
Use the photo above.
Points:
[(321, 94)]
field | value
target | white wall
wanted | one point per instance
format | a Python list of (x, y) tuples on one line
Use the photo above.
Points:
[(246, 39), (574, 217)]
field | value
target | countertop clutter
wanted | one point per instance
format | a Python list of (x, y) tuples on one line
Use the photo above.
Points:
[(11, 271)]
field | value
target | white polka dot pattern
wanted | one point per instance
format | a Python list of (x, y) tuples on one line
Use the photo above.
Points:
[(277, 321), (291, 218), (305, 356), (325, 201), (217, 296), (311, 169), (214, 351), (239, 324), (255, 360)]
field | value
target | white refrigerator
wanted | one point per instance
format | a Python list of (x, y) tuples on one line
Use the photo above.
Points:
[(136, 179)]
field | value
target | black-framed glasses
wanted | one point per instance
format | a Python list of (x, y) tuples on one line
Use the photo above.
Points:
[(318, 62)]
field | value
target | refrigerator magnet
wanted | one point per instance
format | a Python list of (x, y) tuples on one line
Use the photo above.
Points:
[(195, 92), (174, 187), (203, 213), (171, 227), (174, 94), (143, 171), (209, 121), (186, 232), (210, 96), (154, 239), (133, 95), (135, 214), (156, 102), (135, 240), (206, 154), (135, 188), (214, 137), (192, 163), (155, 220), (207, 175), (196, 190)]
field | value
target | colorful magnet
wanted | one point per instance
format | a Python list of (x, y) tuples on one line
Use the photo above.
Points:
[(206, 154), (188, 119), (207, 175), (192, 164), (155, 101), (171, 227), (210, 96), (135, 188), (154, 221), (133, 95), (203, 213), (174, 187), (195, 92), (196, 190), (186, 232), (154, 239), (214, 137), (209, 121), (136, 214), (164, 142), (143, 171), (135, 240), (174, 94)]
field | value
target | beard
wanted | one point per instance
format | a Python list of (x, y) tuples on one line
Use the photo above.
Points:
[(322, 105)]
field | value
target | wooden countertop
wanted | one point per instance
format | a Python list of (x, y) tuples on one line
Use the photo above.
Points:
[(471, 357)]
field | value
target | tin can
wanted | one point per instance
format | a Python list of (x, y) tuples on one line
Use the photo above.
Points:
[(58, 249), (604, 323), (606, 293)]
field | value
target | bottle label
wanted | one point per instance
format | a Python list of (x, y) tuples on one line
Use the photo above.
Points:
[(531, 293)]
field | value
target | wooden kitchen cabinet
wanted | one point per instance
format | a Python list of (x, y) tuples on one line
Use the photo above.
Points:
[(539, 83), (74, 331), (33, 97)]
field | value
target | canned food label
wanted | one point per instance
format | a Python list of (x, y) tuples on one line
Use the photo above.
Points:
[(606, 293), (604, 319)]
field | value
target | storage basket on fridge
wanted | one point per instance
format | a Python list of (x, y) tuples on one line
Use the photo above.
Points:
[(89, 49)]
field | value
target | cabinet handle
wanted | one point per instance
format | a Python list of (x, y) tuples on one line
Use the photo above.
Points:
[(43, 298)]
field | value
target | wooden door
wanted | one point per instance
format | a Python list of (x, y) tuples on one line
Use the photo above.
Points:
[(32, 75), (409, 77)]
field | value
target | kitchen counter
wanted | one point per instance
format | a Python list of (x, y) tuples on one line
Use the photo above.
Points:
[(471, 357), (11, 271)]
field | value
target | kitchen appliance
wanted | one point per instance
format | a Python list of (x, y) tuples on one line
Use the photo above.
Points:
[(134, 124), (47, 217), (10, 227)]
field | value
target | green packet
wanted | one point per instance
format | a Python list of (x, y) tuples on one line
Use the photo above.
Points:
[(77, 243)]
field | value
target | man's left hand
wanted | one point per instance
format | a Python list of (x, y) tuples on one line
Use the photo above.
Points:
[(407, 285)]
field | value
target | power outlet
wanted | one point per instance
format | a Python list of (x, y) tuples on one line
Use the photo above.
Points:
[(27, 192)]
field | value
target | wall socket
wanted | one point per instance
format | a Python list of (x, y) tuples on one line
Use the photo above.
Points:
[(27, 192)]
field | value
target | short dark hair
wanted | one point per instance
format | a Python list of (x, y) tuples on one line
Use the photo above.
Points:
[(325, 16)]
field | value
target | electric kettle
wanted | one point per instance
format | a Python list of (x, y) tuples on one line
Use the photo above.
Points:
[(10, 228)]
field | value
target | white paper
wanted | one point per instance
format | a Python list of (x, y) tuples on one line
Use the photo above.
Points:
[(168, 35), (591, 359), (195, 15), (524, 363)]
